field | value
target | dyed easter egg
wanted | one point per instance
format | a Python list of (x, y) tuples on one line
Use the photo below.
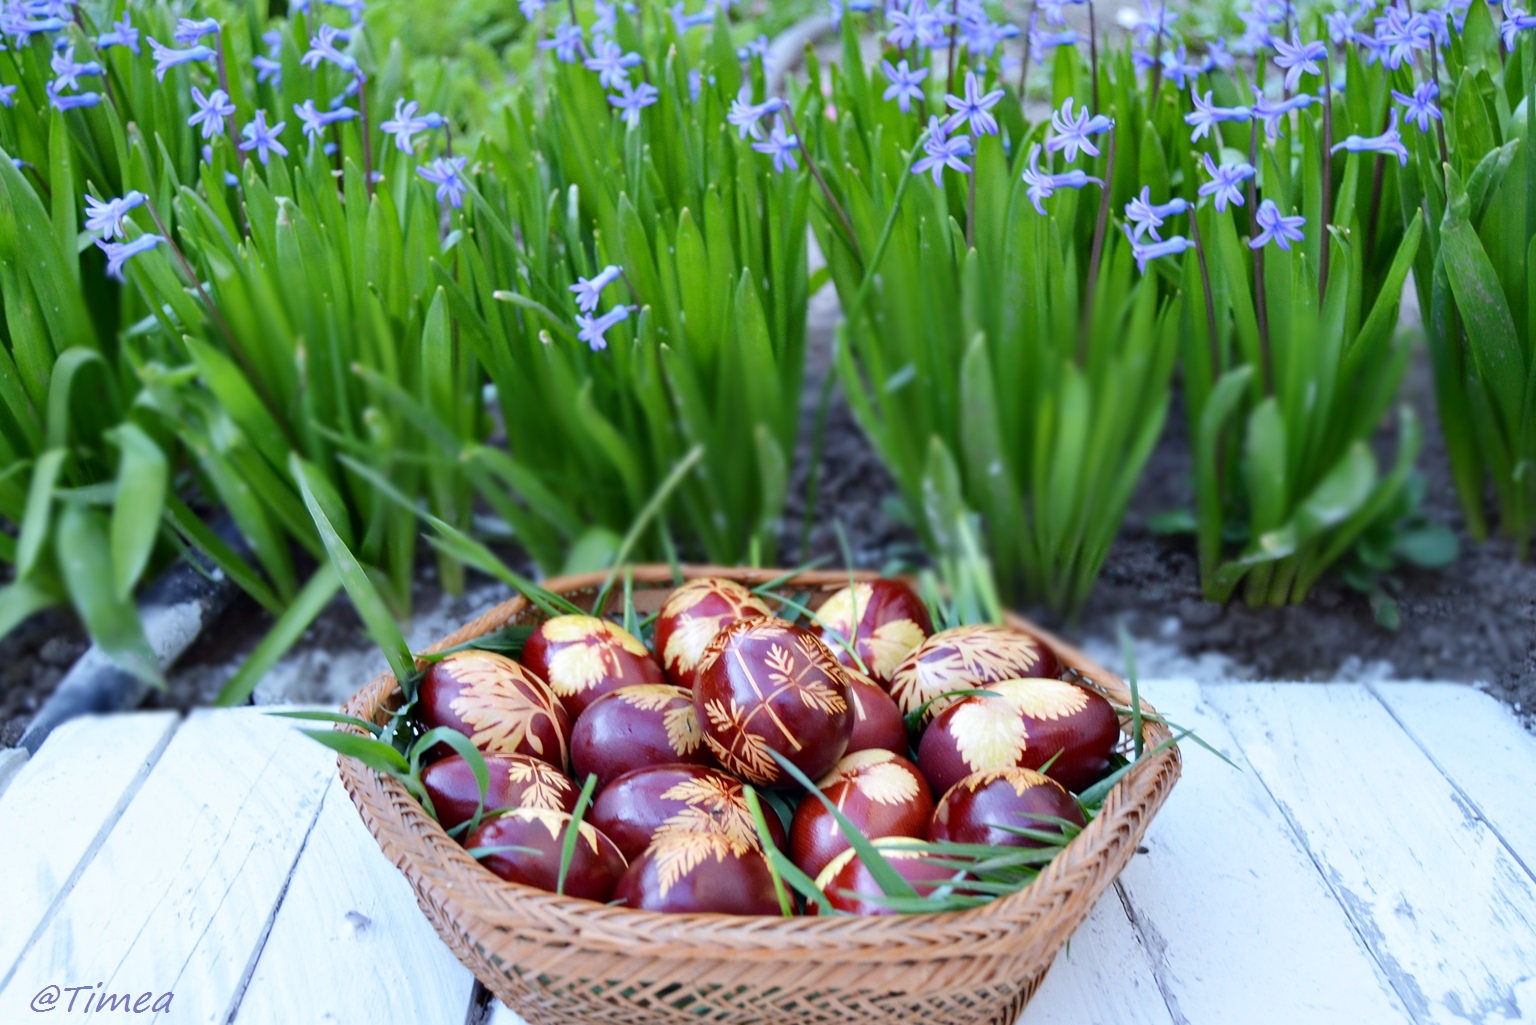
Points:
[(692, 615), (499, 705), (633, 727), (767, 685), (1028, 723), (883, 620), (700, 873), (513, 781), (644, 803), (538, 836), (880, 793), (847, 884), (966, 658), (584, 657), (877, 722), (987, 806)]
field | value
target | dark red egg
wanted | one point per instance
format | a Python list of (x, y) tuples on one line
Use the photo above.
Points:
[(986, 807), (847, 883), (584, 657), (1028, 723), (877, 722), (768, 685), (691, 617), (880, 793), (538, 835), (700, 873), (883, 620), (633, 727), (514, 781), (502, 707), (644, 803), (966, 658)]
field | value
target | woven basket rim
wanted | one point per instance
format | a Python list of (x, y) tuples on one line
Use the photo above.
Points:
[(463, 881)]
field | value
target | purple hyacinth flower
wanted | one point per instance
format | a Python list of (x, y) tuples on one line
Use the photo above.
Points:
[(531, 8), (106, 216), (1171, 246), (1280, 229), (122, 33), (566, 42), (191, 30), (942, 152), (211, 111), (1206, 116), (781, 146), (1271, 113), (167, 58), (1341, 27), (1516, 20), (916, 26), (1153, 21), (746, 115), (1043, 43), (589, 291), (69, 71), (447, 174), (1390, 141), (906, 84), (405, 125), (7, 95), (1144, 217), (1420, 108), (1226, 183), (313, 122), (1217, 57), (1072, 131), (263, 139), (593, 329), (1298, 58), (74, 101), (119, 253), (611, 63), (974, 107), (1043, 185), (630, 100), (322, 47)]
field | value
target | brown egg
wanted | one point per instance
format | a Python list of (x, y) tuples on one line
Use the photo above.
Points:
[(877, 722), (1029, 723), (880, 793), (700, 873), (691, 617), (514, 781), (883, 620), (584, 657), (595, 867), (846, 880), (502, 707), (966, 658), (768, 685), (633, 727), (985, 807), (644, 803)]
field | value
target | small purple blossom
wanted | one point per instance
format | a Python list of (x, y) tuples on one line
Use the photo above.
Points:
[(263, 139), (1226, 183), (1515, 20), (1280, 229), (1144, 217), (746, 115), (566, 42), (1420, 108), (211, 111), (974, 107), (191, 30), (69, 70), (590, 290), (106, 217), (916, 26), (632, 99), (755, 48), (1390, 141), (1207, 116), (1043, 185), (119, 253), (405, 125), (74, 101), (781, 146), (531, 8), (611, 63), (7, 95), (314, 122), (1072, 131), (167, 58), (1042, 43), (447, 174), (1171, 246), (943, 152), (906, 84), (322, 47), (122, 33), (1217, 58), (1271, 113), (1152, 22), (593, 329), (1298, 58)]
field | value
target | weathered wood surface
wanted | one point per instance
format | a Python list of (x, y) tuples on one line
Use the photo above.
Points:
[(1368, 861)]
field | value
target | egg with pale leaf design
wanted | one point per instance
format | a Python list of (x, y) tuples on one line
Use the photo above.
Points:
[(502, 707), (967, 658), (691, 617), (882, 620), (882, 794), (632, 727), (584, 657)]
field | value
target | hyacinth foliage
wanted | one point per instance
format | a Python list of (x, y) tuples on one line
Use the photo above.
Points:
[(1474, 186)]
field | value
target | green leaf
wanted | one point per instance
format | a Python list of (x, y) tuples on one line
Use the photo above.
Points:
[(283, 635), (375, 754), (142, 478), (1432, 546), (37, 521), (113, 621)]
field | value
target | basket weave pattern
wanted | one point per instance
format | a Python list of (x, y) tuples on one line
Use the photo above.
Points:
[(556, 960)]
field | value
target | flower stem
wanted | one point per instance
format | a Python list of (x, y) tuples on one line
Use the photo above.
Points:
[(1093, 55), (1097, 253), (1157, 57), (954, 29), (362, 112), (1376, 178), (1034, 7), (1261, 301), (1210, 302), (1327, 207), (810, 163)]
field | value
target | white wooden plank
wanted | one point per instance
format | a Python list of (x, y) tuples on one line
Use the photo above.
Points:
[(501, 1014), (181, 892), (349, 946), (1103, 975), (60, 806), (1480, 747), (1240, 925), (11, 761), (1441, 903)]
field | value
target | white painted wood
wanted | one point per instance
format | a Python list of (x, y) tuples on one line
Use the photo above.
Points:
[(1441, 903), (1481, 747), (180, 894), (1238, 922), (501, 1014), (60, 806), (1103, 975), (11, 761), (349, 946)]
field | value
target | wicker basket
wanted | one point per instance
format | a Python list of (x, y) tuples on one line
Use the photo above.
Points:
[(555, 959)]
